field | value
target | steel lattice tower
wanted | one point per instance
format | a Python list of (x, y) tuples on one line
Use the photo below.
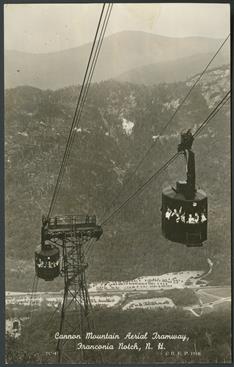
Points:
[(70, 234)]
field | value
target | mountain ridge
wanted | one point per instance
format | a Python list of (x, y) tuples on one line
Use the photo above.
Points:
[(113, 35), (171, 71), (120, 53)]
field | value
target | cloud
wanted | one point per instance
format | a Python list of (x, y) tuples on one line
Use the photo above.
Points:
[(52, 27)]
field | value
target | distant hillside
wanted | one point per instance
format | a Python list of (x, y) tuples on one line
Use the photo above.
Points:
[(121, 53), (172, 71), (119, 123)]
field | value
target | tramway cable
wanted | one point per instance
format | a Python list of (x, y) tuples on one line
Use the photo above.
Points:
[(75, 114), (70, 135), (165, 126), (84, 96), (212, 114), (224, 100), (160, 170), (70, 232), (94, 64)]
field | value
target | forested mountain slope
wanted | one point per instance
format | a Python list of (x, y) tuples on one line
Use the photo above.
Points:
[(120, 122)]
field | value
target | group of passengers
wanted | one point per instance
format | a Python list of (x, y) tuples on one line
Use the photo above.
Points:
[(48, 264), (179, 217)]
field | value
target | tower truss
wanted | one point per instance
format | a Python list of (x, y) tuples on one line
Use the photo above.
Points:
[(70, 234)]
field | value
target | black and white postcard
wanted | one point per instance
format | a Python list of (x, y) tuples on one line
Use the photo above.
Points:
[(117, 183)]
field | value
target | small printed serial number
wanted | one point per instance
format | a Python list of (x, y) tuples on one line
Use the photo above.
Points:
[(179, 353)]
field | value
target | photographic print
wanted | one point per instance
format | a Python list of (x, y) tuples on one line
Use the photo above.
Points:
[(117, 183)]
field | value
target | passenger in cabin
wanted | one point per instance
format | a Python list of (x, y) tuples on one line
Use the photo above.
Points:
[(182, 217), (203, 218), (40, 263), (175, 216), (191, 220), (196, 219), (52, 264), (168, 213)]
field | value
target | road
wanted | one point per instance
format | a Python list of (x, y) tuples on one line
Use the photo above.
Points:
[(209, 298)]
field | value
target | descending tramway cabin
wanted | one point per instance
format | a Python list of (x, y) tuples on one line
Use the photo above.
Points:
[(53, 232)]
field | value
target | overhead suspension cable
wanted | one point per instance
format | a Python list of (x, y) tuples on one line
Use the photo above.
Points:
[(141, 188), (89, 245), (86, 89), (218, 107), (119, 234), (166, 126), (62, 167), (74, 118), (72, 130), (170, 161)]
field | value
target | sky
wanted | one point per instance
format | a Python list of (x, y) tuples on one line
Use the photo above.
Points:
[(42, 28)]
